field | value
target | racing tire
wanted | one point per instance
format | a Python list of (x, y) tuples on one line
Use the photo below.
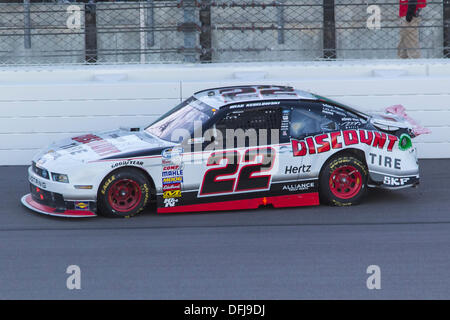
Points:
[(343, 181), (123, 193)]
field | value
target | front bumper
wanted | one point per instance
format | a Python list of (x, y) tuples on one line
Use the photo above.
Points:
[(28, 202), (53, 204), (51, 198)]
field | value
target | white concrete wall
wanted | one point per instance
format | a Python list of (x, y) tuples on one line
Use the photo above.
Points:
[(39, 105)]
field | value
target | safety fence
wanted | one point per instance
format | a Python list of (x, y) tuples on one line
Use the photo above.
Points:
[(203, 31)]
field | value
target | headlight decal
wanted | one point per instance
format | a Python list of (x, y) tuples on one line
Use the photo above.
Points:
[(58, 177), (40, 171)]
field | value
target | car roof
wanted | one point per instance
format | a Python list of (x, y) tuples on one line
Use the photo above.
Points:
[(219, 97)]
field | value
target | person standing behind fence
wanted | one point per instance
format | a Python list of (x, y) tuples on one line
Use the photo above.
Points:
[(408, 46)]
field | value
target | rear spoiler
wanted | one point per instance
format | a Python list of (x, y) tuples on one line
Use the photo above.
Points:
[(400, 111)]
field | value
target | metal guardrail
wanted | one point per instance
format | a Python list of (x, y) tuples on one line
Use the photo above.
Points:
[(203, 31)]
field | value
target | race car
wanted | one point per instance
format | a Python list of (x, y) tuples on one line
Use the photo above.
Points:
[(229, 148)]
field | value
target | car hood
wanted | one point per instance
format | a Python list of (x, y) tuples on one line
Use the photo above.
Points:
[(121, 143)]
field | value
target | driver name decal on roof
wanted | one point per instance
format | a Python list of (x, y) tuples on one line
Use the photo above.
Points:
[(339, 139), (255, 104)]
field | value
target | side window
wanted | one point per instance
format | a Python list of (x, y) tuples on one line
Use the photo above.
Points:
[(310, 120), (249, 127), (345, 119)]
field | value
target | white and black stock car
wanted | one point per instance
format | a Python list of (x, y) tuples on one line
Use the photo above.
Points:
[(308, 149)]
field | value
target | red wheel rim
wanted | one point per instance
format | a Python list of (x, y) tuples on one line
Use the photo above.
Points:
[(345, 182), (124, 195)]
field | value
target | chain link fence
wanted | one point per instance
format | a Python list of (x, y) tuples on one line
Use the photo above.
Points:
[(203, 31)]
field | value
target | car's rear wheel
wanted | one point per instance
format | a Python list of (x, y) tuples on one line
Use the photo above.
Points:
[(343, 181), (123, 193)]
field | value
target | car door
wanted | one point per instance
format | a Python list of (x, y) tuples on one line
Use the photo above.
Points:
[(244, 160)]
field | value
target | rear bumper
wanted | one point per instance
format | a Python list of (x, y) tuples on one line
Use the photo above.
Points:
[(387, 181)]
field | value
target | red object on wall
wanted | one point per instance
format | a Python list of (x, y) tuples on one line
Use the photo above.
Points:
[(404, 6)]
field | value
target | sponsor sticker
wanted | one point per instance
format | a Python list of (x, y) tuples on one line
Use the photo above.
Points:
[(385, 161), (172, 177), (172, 156), (172, 173), (127, 163), (170, 202), (171, 153), (339, 139), (172, 194), (297, 169), (285, 122), (81, 205), (298, 187), (172, 167), (172, 180), (174, 186), (97, 144), (393, 181)]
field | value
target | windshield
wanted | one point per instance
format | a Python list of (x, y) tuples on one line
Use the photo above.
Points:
[(179, 122)]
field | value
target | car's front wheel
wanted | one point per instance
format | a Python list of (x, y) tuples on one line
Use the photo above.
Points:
[(343, 181), (123, 193)]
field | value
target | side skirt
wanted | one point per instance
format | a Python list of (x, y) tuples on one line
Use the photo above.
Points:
[(292, 200)]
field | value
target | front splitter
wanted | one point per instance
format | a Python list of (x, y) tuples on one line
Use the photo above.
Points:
[(28, 202)]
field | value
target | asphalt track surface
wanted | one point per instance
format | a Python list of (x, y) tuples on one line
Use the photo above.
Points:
[(299, 253)]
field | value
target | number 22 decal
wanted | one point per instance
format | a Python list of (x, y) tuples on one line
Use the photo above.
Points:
[(215, 181)]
